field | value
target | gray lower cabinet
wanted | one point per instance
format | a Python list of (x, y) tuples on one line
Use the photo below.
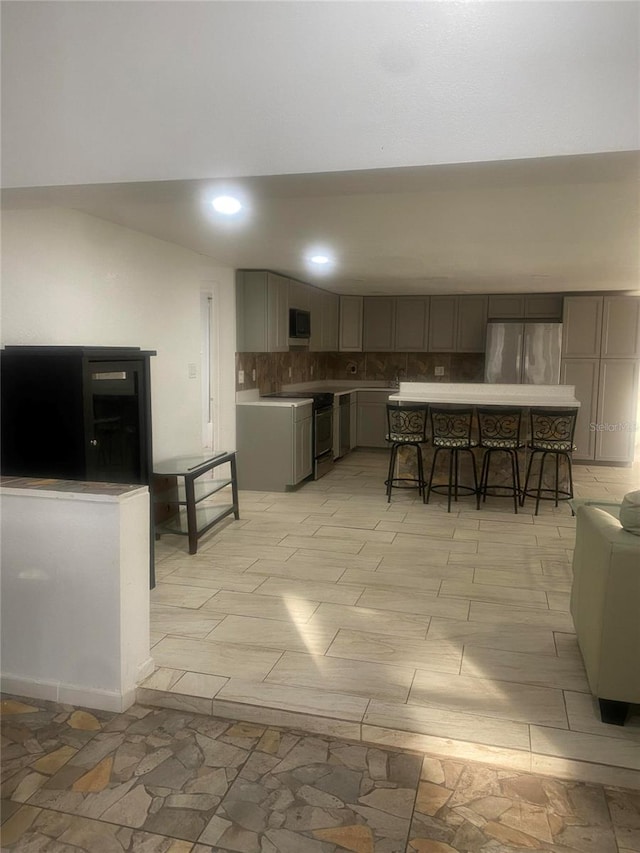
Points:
[(617, 410), (372, 418), (584, 374), (353, 421), (608, 391), (274, 446)]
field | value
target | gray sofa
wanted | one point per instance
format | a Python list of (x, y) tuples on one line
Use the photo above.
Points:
[(605, 606)]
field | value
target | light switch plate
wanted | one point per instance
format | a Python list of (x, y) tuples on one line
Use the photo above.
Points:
[(193, 370), (438, 371)]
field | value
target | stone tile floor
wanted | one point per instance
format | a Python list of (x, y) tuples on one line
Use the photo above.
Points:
[(157, 780), (399, 624)]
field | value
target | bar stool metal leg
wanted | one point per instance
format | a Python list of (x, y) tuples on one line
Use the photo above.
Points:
[(516, 479), (433, 468)]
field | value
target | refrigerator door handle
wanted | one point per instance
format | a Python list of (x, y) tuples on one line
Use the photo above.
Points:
[(524, 371)]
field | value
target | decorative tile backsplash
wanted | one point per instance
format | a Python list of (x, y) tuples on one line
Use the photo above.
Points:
[(275, 369)]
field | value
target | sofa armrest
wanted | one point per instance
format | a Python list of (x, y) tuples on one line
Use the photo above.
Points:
[(605, 604)]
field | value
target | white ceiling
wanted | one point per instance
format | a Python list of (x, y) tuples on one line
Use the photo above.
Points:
[(569, 223), (432, 147)]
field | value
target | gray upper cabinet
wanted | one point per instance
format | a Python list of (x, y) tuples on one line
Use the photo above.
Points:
[(351, 323), (325, 315), (299, 295), (316, 304), (543, 306), (506, 307), (262, 311), (457, 323), (621, 327), (530, 306), (443, 311), (471, 328), (330, 321), (581, 326), (378, 331), (412, 324)]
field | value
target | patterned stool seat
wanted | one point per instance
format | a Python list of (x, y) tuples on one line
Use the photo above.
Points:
[(502, 443), (499, 432), (406, 427), (551, 435), (399, 438), (451, 433), (454, 443), (557, 446)]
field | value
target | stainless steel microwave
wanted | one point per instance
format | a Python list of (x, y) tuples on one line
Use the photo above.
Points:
[(299, 323)]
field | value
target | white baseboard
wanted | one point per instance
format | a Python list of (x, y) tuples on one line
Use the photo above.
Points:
[(145, 670), (69, 694)]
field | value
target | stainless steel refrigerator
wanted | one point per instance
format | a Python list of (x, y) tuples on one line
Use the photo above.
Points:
[(527, 353)]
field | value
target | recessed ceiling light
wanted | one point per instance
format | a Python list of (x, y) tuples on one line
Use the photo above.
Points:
[(319, 259), (226, 204)]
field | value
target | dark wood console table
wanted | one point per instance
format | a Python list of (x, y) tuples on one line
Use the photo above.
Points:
[(178, 489)]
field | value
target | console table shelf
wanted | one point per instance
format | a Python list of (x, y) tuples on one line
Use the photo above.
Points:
[(177, 491)]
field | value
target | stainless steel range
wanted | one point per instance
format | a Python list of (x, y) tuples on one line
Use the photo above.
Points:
[(322, 438)]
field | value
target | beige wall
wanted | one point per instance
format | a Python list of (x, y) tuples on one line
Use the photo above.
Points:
[(73, 279)]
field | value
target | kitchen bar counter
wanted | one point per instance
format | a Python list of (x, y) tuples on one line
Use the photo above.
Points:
[(486, 394), (478, 394)]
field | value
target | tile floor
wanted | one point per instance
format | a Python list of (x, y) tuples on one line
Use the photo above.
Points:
[(397, 624), (156, 780)]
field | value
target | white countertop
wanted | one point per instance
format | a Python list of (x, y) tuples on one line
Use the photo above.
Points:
[(336, 387), (288, 402), (487, 394)]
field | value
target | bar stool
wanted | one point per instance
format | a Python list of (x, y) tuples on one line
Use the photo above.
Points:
[(551, 434), (451, 433), (406, 427), (499, 432)]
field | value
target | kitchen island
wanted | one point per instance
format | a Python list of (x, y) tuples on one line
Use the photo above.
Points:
[(481, 394), (485, 394)]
